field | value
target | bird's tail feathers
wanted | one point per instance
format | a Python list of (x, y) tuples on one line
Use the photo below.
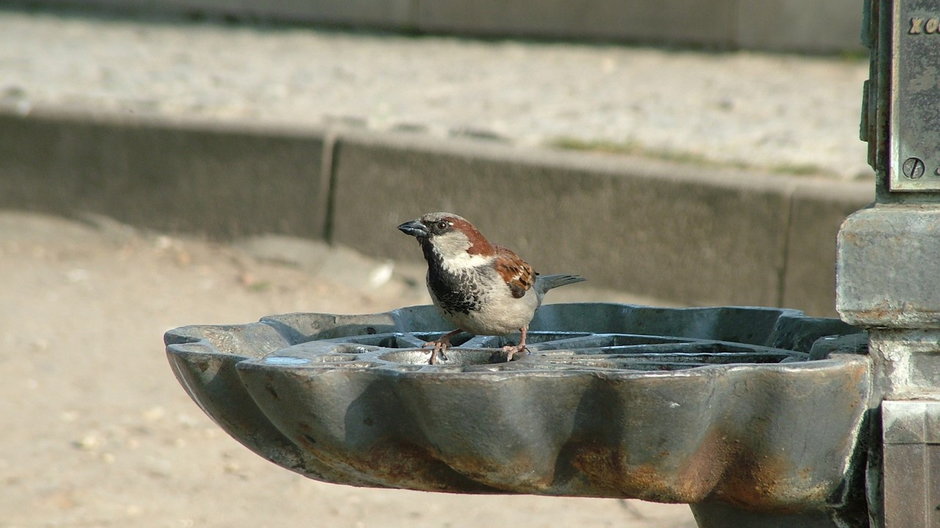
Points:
[(547, 282)]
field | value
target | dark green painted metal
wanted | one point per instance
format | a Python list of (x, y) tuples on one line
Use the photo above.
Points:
[(693, 405)]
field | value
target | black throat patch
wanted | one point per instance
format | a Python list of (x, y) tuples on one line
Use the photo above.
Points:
[(458, 292)]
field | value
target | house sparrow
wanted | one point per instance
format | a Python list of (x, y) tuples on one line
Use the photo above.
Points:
[(480, 287)]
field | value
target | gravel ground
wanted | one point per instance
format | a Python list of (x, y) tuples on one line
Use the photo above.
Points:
[(99, 433), (791, 113)]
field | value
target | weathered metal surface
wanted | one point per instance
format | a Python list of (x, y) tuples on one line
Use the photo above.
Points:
[(914, 163), (907, 362), (899, 120), (911, 434), (205, 366), (888, 261), (877, 36), (671, 405), (911, 422)]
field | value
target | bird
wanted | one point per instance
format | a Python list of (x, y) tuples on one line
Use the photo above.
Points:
[(479, 287)]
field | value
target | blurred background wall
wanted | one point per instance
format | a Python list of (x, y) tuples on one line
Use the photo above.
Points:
[(778, 25), (181, 144)]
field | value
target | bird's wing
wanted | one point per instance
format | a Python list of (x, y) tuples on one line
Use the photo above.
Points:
[(517, 273)]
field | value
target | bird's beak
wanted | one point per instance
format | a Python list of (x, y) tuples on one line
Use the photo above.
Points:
[(415, 229)]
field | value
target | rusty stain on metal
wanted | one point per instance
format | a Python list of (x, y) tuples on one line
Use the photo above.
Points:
[(720, 404)]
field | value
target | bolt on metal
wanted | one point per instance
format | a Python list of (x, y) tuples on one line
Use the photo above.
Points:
[(913, 168)]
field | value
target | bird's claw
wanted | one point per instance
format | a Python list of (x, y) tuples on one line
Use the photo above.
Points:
[(440, 345), (437, 354), (512, 350)]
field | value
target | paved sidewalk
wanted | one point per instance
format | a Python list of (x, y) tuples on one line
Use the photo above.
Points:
[(778, 112)]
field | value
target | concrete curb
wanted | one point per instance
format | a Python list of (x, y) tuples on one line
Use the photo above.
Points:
[(666, 230), (778, 25), (171, 175)]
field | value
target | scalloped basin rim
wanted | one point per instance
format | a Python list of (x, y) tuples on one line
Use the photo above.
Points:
[(764, 436)]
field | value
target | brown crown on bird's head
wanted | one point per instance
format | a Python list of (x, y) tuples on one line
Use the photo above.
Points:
[(449, 234)]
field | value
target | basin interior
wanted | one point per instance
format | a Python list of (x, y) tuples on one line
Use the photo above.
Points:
[(545, 350)]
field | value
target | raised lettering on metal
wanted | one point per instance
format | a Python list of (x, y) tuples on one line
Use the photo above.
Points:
[(914, 163)]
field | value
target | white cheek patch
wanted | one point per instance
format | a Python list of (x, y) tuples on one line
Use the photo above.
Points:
[(453, 247), (464, 261), (451, 244)]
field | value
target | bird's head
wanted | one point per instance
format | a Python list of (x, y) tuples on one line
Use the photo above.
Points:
[(454, 239)]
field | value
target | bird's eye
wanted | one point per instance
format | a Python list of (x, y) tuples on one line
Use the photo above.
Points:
[(443, 224)]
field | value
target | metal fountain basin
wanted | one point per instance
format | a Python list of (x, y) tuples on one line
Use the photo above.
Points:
[(759, 408)]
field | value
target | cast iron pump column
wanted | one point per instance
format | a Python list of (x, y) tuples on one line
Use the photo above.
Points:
[(889, 259)]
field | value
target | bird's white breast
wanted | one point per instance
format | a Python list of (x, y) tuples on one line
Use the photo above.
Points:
[(499, 313)]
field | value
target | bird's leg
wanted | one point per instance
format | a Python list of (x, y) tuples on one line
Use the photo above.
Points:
[(511, 350), (440, 345)]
